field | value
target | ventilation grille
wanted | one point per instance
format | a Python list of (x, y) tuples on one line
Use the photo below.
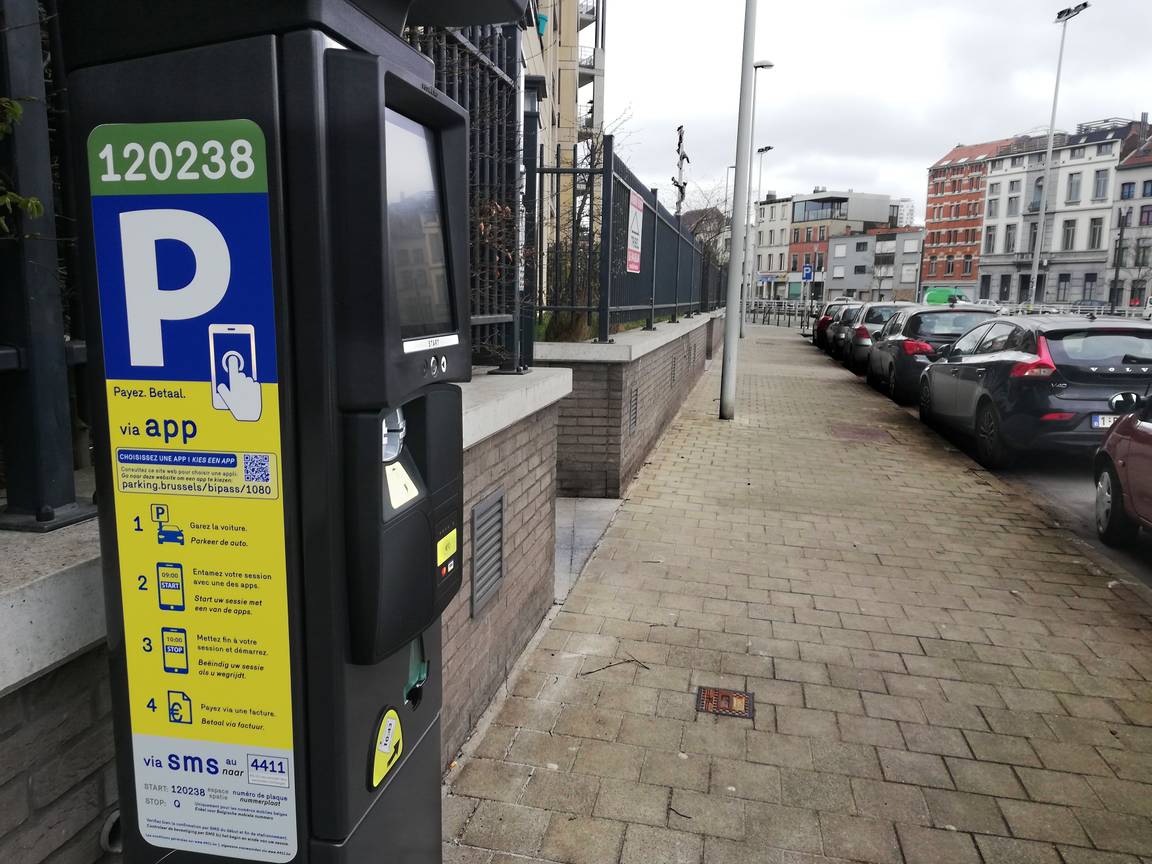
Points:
[(633, 410), (673, 370), (487, 550)]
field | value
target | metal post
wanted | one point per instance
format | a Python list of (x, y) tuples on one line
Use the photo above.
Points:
[(651, 325), (574, 239), (1047, 171), (743, 157), (34, 397), (1114, 294), (676, 286), (606, 211)]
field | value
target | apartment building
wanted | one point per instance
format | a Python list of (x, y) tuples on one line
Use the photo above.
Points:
[(773, 222), (820, 216), (879, 264), (1131, 264), (1080, 215), (905, 213), (953, 218)]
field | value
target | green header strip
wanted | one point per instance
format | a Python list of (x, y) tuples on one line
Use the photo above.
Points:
[(212, 156)]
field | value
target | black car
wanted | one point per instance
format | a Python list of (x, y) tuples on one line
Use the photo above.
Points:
[(1038, 382), (909, 342)]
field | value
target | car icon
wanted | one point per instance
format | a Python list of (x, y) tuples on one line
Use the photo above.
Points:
[(170, 534)]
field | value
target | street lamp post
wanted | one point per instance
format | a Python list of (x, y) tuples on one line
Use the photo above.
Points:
[(1114, 294), (749, 273), (740, 192), (1062, 18)]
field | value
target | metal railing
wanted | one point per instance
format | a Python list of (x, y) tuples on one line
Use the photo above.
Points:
[(586, 57), (586, 275)]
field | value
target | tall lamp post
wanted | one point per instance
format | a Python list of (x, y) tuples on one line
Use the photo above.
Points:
[(1062, 18), (749, 259), (1114, 294), (740, 192)]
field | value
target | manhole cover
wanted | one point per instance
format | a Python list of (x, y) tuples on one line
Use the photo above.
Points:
[(726, 703), (860, 433)]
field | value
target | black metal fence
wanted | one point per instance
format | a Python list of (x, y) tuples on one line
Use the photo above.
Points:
[(588, 275)]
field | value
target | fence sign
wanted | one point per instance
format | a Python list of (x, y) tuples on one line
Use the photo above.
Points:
[(635, 231), (184, 262)]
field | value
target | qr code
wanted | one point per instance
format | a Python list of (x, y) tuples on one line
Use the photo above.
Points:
[(257, 468)]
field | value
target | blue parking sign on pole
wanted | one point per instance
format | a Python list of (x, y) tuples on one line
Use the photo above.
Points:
[(807, 277)]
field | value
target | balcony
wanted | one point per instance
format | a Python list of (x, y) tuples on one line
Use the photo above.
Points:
[(586, 13), (590, 63)]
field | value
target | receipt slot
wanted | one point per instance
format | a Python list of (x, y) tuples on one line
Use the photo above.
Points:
[(274, 237)]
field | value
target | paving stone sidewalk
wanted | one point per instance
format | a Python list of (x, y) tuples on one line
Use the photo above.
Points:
[(941, 675)]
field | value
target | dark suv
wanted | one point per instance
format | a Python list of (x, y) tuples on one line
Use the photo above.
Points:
[(1039, 382)]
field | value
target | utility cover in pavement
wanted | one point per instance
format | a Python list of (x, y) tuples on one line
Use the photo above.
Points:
[(726, 703)]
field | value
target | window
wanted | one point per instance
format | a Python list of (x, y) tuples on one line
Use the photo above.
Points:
[(823, 236), (1009, 238), (795, 235), (771, 236), (932, 265), (989, 239), (808, 234), (967, 265), (1077, 153), (995, 164), (1148, 188), (772, 213), (1095, 233), (996, 338), (780, 266), (1062, 283), (1127, 191), (1146, 214), (1143, 252), (1106, 148), (907, 273), (1073, 187), (819, 260), (1013, 205), (1139, 291), (759, 263), (911, 246), (993, 208), (794, 268), (1014, 186), (993, 189), (838, 271), (759, 238), (1005, 286), (1032, 237), (839, 250), (1089, 286), (955, 211), (1068, 238), (985, 286), (967, 343), (859, 269), (1100, 185), (955, 186), (1037, 191), (949, 266), (1016, 162), (1121, 255), (807, 258)]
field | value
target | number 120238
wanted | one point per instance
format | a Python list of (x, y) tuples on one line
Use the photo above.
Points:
[(211, 160)]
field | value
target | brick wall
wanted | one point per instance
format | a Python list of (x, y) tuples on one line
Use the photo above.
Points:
[(57, 780), (479, 652), (598, 451)]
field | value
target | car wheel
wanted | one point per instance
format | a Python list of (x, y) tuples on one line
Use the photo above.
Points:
[(1113, 524), (925, 402), (894, 391), (991, 449)]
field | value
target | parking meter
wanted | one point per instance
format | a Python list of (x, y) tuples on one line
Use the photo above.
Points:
[(274, 234)]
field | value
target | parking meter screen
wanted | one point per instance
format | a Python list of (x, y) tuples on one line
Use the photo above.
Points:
[(416, 230)]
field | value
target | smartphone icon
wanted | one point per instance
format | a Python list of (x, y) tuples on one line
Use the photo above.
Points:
[(175, 649), (170, 586), (225, 340)]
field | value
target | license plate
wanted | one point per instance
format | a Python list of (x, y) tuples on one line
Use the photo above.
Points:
[(1104, 421)]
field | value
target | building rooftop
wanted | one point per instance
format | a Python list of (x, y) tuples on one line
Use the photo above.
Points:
[(962, 154), (1140, 157)]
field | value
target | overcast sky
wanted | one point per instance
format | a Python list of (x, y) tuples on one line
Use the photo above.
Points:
[(866, 94)]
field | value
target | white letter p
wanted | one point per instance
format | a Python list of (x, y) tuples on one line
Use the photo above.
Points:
[(146, 304)]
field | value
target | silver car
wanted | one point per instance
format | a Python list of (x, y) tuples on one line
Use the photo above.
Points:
[(837, 329), (868, 320)]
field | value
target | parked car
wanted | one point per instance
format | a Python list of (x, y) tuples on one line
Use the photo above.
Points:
[(823, 319), (838, 328), (1124, 477), (1038, 382), (987, 301), (868, 321), (945, 296), (909, 342)]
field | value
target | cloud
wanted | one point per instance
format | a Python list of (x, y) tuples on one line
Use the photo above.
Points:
[(866, 94)]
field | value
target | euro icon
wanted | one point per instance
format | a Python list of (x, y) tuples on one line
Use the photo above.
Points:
[(179, 707)]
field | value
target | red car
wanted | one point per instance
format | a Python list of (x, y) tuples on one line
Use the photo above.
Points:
[(1124, 478)]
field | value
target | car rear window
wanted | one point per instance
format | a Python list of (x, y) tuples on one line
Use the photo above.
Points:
[(879, 314), (947, 323), (1090, 347), (848, 312)]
